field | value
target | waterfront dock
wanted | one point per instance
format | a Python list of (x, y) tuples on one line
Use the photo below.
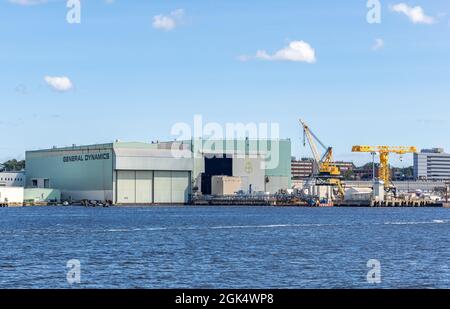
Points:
[(293, 200), (247, 200), (11, 204), (392, 203)]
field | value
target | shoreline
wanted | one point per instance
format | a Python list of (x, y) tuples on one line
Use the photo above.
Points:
[(438, 205)]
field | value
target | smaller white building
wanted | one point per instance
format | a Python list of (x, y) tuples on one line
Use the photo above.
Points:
[(12, 179), (11, 196), (358, 194), (225, 185)]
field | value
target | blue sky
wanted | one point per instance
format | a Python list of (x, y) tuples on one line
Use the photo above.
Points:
[(132, 79)]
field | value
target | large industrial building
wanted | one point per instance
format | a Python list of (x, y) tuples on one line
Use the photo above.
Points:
[(159, 173), (432, 164)]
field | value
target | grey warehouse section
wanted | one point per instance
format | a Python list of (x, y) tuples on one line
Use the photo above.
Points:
[(153, 187), (147, 174)]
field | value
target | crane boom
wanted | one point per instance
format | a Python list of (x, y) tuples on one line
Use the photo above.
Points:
[(328, 172), (390, 149), (310, 136), (324, 163)]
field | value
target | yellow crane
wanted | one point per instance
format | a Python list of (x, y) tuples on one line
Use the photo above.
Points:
[(384, 151), (328, 173)]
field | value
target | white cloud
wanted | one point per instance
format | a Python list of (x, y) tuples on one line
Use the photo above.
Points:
[(168, 22), (298, 51), (378, 44), (415, 14), (59, 83), (27, 2)]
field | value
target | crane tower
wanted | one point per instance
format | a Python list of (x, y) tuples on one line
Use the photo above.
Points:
[(384, 151)]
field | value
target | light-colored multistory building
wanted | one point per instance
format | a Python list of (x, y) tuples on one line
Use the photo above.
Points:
[(432, 164), (302, 169)]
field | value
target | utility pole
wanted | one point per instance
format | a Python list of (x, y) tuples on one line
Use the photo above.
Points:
[(373, 166), (447, 185)]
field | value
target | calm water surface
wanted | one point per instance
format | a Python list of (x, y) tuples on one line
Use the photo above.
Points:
[(232, 247)]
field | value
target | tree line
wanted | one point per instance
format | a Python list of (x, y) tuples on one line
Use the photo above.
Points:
[(12, 165)]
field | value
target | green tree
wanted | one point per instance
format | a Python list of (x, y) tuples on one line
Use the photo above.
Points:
[(14, 165), (349, 175)]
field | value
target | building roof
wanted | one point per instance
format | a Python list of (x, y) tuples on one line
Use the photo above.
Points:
[(433, 150), (146, 145), (75, 147), (12, 172)]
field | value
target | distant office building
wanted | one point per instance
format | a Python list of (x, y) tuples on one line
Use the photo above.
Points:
[(432, 164), (12, 179), (302, 169)]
